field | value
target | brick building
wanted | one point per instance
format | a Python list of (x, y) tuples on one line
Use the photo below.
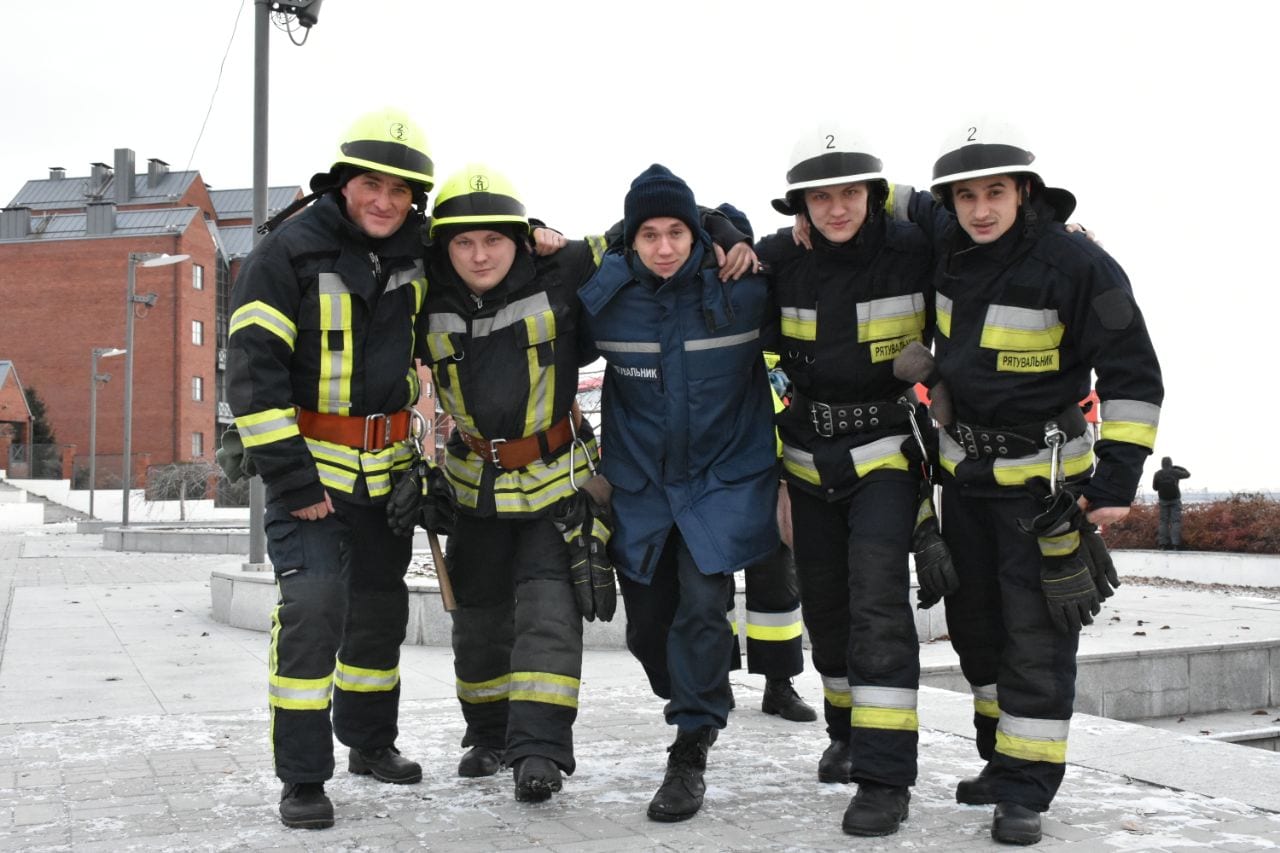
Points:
[(64, 249)]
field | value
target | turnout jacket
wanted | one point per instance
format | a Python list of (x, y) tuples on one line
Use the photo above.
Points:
[(688, 439), (846, 311), (322, 318), (505, 366), (1021, 323)]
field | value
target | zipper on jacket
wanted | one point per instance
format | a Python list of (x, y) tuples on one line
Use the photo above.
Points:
[(377, 266)]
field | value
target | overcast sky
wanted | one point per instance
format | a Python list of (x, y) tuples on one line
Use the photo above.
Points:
[(1161, 118)]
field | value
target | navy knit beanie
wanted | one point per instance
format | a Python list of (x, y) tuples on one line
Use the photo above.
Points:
[(656, 192)]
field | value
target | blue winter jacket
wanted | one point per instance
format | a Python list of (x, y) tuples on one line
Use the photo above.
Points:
[(688, 434)]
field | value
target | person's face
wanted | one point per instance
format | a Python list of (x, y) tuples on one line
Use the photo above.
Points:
[(663, 243), (987, 207), (837, 210), (482, 258), (377, 203)]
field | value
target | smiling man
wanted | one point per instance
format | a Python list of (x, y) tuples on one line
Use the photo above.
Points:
[(320, 349), (1027, 313)]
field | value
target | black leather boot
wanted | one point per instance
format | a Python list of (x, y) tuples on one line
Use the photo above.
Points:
[(479, 761), (836, 764), (976, 790), (682, 789), (876, 809), (537, 778), (1015, 824), (385, 765), (303, 805), (781, 699)]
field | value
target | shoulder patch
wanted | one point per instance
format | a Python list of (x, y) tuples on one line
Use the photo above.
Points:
[(1115, 309)]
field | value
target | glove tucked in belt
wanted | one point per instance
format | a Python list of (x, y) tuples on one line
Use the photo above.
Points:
[(1076, 572), (586, 523)]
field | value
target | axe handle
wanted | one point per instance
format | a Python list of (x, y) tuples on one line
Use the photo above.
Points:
[(442, 574)]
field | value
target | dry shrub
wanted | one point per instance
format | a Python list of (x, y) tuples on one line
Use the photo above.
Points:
[(1244, 523)]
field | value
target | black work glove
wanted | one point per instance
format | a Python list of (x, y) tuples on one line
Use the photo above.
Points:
[(231, 457), (586, 525), (1101, 566), (422, 495), (934, 570), (1066, 574)]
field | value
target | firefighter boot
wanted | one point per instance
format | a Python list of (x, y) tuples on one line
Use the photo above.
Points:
[(976, 790), (1015, 824), (303, 805), (876, 809), (537, 778), (682, 789), (385, 765), (781, 699), (836, 764), (479, 761)]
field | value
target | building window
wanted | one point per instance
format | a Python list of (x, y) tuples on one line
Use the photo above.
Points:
[(197, 444), (197, 333), (197, 388), (197, 277)]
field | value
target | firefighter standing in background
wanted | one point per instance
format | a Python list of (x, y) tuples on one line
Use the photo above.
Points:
[(1165, 483), (1025, 312), (849, 305), (499, 332), (320, 378)]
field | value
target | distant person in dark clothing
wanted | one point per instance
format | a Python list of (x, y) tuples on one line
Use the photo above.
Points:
[(1165, 483)]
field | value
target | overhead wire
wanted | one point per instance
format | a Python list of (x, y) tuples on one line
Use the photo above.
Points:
[(221, 66)]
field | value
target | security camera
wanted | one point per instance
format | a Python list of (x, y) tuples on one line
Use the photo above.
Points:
[(308, 11)]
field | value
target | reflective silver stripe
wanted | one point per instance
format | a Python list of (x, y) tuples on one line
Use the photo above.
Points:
[(628, 346), (1073, 450), (318, 694), (261, 316), (331, 283), (1130, 410), (773, 620), (985, 692), (545, 324), (541, 685), (386, 682), (482, 692), (403, 277), (337, 454), (720, 343), (836, 684), (1034, 729), (942, 303), (803, 315), (1025, 319), (445, 323), (878, 450), (248, 430), (510, 314), (884, 697), (907, 305)]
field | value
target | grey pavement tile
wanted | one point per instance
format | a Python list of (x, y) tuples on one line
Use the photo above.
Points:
[(35, 813)]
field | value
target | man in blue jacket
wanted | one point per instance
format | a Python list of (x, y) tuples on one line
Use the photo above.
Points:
[(689, 450)]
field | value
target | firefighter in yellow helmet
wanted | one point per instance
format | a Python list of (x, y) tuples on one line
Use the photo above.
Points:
[(499, 331), (320, 379)]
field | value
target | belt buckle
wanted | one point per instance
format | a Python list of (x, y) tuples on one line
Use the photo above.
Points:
[(372, 432), (493, 452), (968, 441), (822, 424)]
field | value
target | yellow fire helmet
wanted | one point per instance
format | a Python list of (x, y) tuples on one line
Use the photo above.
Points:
[(476, 195)]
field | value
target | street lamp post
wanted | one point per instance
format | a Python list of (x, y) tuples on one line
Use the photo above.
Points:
[(136, 259), (94, 378)]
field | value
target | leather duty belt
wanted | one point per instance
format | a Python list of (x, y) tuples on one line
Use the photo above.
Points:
[(832, 419), (364, 432), (983, 442), (512, 453)]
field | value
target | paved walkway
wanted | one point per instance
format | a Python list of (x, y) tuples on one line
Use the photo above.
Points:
[(130, 720)]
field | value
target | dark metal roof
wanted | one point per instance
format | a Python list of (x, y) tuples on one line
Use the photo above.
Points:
[(73, 191), (237, 241), (67, 226), (238, 204)]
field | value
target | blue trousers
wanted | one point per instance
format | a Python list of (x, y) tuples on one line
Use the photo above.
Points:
[(677, 630)]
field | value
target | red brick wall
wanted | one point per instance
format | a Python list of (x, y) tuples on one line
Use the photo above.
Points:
[(60, 299)]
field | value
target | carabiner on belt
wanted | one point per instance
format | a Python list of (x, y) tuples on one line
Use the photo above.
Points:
[(574, 444), (1054, 438)]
